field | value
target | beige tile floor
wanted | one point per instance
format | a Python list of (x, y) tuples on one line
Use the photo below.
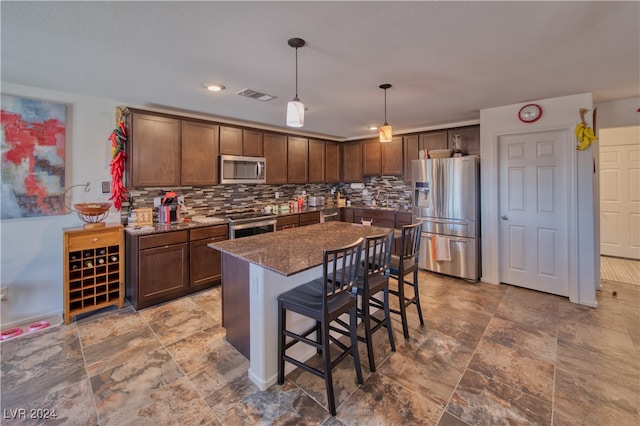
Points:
[(487, 355)]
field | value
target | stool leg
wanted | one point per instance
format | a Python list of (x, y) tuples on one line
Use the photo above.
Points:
[(326, 361), (354, 344), (387, 319), (281, 341), (417, 296), (367, 332), (403, 305)]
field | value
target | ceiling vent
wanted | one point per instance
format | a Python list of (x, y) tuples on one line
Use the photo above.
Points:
[(248, 93)]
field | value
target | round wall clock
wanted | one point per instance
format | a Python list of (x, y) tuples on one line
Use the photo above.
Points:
[(530, 113)]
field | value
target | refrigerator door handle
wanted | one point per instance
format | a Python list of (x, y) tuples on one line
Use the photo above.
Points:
[(460, 241), (452, 221)]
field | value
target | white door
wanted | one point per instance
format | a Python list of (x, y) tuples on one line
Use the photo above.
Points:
[(620, 192), (534, 241)]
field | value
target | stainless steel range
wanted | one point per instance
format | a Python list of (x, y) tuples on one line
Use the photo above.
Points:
[(245, 224)]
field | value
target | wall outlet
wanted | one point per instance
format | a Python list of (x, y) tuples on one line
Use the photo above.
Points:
[(4, 293), (157, 201), (106, 187), (365, 192), (277, 195), (304, 192), (181, 199)]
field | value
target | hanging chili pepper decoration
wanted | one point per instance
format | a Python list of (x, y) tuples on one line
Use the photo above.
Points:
[(118, 156)]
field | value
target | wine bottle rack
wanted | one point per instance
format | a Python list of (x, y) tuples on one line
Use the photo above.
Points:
[(93, 269)]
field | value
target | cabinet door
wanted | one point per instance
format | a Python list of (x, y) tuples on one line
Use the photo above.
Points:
[(163, 271), (347, 215), (275, 151), (206, 267), (297, 158), (155, 150), (433, 140), (470, 137), (410, 154), (199, 153), (287, 222), (332, 162), (371, 159), (316, 161), (252, 143), (230, 140), (352, 161), (392, 157)]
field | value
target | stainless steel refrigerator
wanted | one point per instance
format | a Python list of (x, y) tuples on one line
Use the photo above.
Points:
[(446, 198)]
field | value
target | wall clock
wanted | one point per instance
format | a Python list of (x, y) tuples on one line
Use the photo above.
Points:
[(530, 113)]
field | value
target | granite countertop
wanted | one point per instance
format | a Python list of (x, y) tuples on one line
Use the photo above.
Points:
[(298, 249)]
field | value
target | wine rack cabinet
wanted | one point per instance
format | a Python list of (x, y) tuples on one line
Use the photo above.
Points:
[(93, 269)]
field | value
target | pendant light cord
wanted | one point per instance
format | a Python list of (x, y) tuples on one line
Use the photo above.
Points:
[(385, 107), (296, 73)]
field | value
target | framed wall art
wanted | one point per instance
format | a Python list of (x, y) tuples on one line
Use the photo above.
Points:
[(33, 157)]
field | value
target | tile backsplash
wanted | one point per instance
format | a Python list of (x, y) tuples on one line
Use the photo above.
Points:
[(385, 190)]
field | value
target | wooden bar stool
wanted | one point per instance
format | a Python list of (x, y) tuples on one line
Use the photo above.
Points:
[(403, 265), (324, 300), (373, 280)]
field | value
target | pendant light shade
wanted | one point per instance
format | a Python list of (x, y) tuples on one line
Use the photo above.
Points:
[(295, 108), (386, 135)]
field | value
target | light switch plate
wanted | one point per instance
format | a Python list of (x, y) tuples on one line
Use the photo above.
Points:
[(106, 187)]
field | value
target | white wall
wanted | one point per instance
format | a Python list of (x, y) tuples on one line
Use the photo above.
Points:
[(558, 113), (31, 248), (620, 113)]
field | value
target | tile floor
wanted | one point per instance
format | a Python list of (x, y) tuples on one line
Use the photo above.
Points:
[(487, 355)]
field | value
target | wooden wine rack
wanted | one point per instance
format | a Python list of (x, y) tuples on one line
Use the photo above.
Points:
[(93, 269)]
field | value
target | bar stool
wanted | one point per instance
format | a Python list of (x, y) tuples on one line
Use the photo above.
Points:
[(324, 300), (374, 279), (402, 265)]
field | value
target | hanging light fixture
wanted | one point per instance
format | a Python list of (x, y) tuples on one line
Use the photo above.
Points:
[(295, 108), (385, 129)]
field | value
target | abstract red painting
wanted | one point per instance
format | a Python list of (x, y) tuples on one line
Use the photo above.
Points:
[(33, 139)]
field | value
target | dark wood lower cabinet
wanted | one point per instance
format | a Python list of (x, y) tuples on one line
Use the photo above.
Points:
[(163, 266), (235, 296)]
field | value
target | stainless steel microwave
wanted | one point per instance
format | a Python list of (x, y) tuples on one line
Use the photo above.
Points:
[(238, 169)]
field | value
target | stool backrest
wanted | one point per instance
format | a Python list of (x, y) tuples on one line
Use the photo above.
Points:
[(341, 267), (410, 241), (377, 253)]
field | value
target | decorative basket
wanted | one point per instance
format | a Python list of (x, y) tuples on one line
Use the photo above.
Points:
[(440, 153), (92, 214)]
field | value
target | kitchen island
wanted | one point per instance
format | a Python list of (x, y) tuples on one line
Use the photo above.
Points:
[(256, 269)]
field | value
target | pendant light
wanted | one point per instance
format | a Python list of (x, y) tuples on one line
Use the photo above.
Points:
[(295, 108), (385, 130)]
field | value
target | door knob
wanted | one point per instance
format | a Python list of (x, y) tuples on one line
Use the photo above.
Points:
[(505, 217)]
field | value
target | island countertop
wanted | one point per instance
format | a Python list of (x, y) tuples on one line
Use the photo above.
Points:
[(295, 250)]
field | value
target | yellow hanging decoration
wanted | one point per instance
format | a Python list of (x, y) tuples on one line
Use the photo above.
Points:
[(584, 133)]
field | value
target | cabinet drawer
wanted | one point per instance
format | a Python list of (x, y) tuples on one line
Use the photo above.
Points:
[(163, 239), (309, 218), (80, 242), (403, 218), (288, 220), (209, 232)]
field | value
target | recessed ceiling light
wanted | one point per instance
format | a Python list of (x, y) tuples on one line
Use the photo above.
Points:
[(215, 87)]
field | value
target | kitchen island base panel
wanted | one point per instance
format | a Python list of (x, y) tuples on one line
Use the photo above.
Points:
[(265, 287)]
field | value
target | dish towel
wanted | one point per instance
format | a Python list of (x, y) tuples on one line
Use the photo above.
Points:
[(440, 249)]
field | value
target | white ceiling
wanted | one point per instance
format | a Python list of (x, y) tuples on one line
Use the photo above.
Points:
[(445, 60)]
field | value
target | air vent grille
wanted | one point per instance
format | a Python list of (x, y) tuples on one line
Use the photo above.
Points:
[(249, 93)]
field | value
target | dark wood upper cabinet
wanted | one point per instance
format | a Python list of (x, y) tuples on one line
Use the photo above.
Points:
[(470, 137), (433, 140), (392, 157), (352, 161), (252, 143), (154, 143), (298, 159), (332, 162), (200, 149), (316, 161), (371, 159), (275, 152), (410, 154), (230, 140)]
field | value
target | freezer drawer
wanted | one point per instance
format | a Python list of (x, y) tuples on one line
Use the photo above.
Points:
[(464, 263)]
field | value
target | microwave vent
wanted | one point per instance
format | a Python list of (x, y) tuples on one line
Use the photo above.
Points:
[(249, 93)]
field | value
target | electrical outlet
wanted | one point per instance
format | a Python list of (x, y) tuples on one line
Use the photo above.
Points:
[(277, 195), (365, 192), (106, 187), (4, 293), (157, 201), (181, 199), (304, 192)]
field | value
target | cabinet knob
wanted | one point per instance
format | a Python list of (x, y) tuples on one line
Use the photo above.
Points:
[(505, 217)]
